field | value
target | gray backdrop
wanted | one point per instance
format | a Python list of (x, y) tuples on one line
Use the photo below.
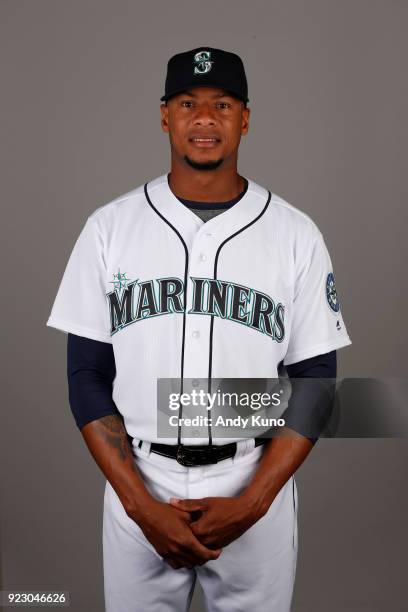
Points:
[(80, 88)]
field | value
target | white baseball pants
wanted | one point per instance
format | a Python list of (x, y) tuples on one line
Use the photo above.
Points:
[(254, 573)]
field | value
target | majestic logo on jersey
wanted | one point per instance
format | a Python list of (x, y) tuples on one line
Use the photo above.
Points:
[(202, 62), (134, 301), (331, 293)]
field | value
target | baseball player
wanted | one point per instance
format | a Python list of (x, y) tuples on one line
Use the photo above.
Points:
[(197, 274)]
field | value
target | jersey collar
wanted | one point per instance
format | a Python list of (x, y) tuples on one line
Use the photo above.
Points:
[(188, 224)]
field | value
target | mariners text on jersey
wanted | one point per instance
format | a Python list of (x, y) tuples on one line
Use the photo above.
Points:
[(210, 296)]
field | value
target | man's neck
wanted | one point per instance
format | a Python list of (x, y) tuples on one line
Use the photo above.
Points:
[(206, 186)]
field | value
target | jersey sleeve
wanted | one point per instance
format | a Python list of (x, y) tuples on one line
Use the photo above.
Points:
[(317, 322), (80, 306)]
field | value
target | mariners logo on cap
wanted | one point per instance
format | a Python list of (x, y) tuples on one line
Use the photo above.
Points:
[(331, 293), (202, 61)]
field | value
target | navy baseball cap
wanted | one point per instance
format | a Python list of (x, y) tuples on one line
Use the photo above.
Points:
[(206, 66)]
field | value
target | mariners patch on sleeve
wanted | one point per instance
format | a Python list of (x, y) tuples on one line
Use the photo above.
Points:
[(331, 293)]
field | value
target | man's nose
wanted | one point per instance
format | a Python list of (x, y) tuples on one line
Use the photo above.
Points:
[(204, 115)]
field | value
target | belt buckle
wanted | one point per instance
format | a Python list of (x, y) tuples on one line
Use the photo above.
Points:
[(206, 455)]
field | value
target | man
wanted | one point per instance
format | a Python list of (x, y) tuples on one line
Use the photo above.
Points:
[(199, 273)]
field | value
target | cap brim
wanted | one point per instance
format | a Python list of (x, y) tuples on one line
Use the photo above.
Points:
[(179, 91)]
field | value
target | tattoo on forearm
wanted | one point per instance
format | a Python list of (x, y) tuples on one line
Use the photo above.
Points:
[(113, 431)]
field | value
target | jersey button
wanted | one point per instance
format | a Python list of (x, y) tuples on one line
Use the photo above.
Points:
[(195, 382), (203, 257), (196, 333)]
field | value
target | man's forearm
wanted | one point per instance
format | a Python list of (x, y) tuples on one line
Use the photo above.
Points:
[(309, 410), (281, 458), (108, 443)]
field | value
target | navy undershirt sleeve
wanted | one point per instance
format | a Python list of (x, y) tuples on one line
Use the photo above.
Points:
[(302, 411), (91, 371)]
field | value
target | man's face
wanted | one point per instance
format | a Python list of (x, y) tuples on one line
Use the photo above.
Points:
[(205, 125)]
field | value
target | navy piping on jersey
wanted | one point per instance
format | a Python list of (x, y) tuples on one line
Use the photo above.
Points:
[(215, 276), (185, 302), (185, 295), (185, 290)]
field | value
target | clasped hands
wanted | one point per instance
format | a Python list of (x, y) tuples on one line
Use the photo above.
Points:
[(190, 532)]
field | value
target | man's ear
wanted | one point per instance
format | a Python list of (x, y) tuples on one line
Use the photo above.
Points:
[(164, 112), (245, 120)]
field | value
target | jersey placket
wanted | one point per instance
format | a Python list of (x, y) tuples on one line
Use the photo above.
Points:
[(202, 243), (201, 266)]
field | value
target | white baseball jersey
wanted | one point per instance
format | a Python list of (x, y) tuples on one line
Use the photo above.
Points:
[(177, 297)]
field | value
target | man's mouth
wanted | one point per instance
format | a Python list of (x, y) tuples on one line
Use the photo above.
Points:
[(204, 141)]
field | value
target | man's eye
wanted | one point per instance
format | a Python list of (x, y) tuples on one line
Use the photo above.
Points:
[(223, 105), (187, 103)]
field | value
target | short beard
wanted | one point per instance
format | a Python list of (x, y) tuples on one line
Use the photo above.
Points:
[(210, 165)]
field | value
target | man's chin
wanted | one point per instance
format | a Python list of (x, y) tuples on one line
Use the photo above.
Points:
[(203, 165)]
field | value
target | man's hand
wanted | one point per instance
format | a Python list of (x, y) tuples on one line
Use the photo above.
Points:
[(168, 529), (217, 521)]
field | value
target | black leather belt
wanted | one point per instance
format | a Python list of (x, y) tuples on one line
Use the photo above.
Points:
[(190, 456)]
